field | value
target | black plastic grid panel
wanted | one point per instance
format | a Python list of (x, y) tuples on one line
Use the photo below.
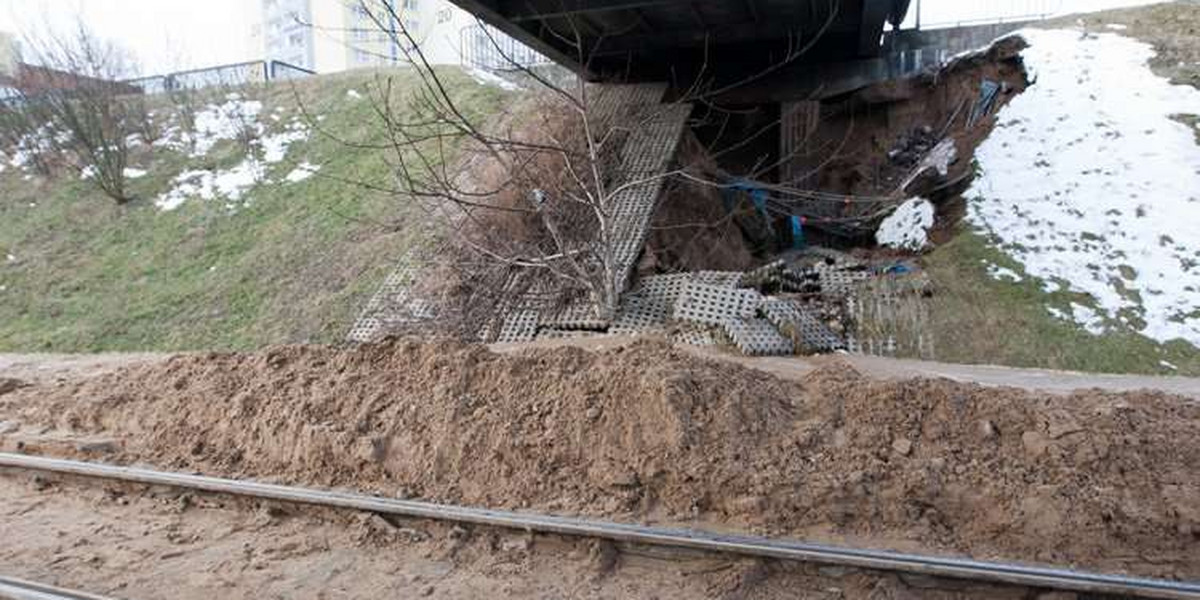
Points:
[(715, 305)]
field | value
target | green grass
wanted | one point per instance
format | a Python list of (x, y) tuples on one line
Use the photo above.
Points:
[(294, 265), (975, 318)]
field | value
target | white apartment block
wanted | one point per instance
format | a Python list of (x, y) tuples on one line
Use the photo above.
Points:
[(335, 35)]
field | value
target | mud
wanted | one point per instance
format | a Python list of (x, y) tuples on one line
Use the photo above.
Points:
[(651, 433)]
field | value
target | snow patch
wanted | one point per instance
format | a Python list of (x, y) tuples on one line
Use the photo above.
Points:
[(1088, 180), (275, 146), (908, 227), (1003, 273), (1092, 322), (232, 184), (1116, 27), (302, 171), (353, 94), (1168, 365), (226, 121), (485, 77), (134, 173), (229, 184)]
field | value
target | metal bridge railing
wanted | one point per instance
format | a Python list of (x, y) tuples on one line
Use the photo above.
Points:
[(484, 47), (258, 71), (941, 14)]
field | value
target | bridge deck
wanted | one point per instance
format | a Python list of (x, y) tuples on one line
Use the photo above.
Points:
[(648, 40)]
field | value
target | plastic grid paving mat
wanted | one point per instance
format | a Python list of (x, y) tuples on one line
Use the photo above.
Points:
[(792, 318), (519, 326), (695, 334), (757, 337), (560, 334), (579, 314), (645, 157), (839, 281), (392, 303), (768, 273), (610, 101), (715, 305), (638, 313)]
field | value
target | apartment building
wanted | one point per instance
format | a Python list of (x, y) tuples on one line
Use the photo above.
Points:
[(334, 35)]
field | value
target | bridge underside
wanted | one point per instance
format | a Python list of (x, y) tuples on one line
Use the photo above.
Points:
[(719, 42)]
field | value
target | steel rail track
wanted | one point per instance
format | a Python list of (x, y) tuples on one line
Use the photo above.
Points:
[(12, 588), (993, 572)]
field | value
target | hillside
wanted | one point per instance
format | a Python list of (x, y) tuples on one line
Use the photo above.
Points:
[(1079, 247), (218, 251), (1072, 251)]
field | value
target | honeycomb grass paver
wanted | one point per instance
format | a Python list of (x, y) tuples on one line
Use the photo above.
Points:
[(579, 314), (392, 304), (793, 319), (768, 273), (715, 305), (520, 325), (839, 281), (757, 337), (645, 158), (695, 334)]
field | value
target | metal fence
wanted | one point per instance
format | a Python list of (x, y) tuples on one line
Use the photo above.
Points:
[(485, 47), (258, 71), (939, 14)]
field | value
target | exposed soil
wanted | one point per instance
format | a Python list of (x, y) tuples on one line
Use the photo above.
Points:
[(130, 542), (650, 432), (868, 143)]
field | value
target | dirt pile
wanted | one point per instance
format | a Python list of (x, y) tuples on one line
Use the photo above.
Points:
[(648, 431)]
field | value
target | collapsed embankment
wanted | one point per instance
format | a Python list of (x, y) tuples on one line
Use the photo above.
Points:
[(647, 431)]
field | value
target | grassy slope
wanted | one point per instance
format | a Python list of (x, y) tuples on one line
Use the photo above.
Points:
[(294, 265), (976, 319)]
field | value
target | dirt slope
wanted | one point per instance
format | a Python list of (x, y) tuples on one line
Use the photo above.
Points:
[(650, 432)]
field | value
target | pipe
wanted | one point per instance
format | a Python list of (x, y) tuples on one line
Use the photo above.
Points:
[(12, 588), (1015, 574)]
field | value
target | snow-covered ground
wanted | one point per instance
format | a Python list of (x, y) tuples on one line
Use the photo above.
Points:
[(907, 228), (1088, 180), (228, 121)]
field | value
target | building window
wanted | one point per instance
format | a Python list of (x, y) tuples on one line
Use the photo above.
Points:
[(444, 15), (362, 57), (410, 4), (412, 25), (296, 39)]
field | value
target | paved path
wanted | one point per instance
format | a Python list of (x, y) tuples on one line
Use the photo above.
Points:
[(889, 368), (51, 367)]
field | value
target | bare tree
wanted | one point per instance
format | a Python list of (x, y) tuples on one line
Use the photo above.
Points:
[(71, 97), (533, 202)]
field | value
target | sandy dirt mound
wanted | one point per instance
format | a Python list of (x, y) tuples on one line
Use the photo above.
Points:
[(647, 431)]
